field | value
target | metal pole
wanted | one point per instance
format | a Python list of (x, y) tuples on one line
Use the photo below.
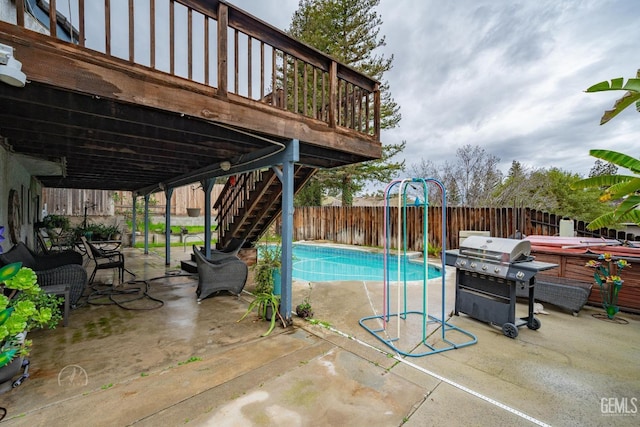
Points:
[(167, 226), (133, 221), (146, 224), (207, 186), (291, 155)]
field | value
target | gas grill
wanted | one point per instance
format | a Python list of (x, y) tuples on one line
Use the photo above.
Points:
[(488, 272)]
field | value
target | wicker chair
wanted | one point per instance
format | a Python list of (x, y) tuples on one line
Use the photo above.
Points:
[(229, 251), (227, 274), (566, 293), (59, 268)]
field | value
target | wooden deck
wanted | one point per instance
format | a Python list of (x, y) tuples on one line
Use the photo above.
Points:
[(148, 99)]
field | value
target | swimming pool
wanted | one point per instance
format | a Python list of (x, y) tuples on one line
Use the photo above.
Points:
[(314, 263)]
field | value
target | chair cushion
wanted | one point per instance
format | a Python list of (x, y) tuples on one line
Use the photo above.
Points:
[(19, 253)]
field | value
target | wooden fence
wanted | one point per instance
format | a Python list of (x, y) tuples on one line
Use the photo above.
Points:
[(365, 225), (72, 202)]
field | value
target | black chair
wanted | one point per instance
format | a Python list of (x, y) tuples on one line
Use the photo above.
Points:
[(104, 259), (53, 270), (226, 274), (229, 251)]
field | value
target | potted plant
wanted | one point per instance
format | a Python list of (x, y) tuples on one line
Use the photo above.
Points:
[(267, 268), (193, 212), (607, 277), (266, 272), (56, 223), (305, 310), (23, 307), (266, 303)]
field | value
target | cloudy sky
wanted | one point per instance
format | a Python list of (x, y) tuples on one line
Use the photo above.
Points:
[(508, 75)]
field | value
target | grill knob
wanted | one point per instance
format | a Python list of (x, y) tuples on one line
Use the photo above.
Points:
[(463, 263), (484, 268), (473, 265), (519, 275), (496, 270)]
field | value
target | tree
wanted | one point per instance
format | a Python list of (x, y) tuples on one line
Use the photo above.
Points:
[(428, 169), (510, 192), (476, 175), (623, 188), (349, 31), (602, 168), (550, 190), (470, 181), (348, 180)]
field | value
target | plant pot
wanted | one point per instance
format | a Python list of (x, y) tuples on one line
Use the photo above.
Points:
[(304, 312), (7, 372), (193, 212)]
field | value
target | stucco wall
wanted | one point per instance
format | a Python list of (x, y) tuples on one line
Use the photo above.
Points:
[(13, 176)]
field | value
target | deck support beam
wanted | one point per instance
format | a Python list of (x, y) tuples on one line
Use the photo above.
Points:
[(207, 187), (168, 192), (290, 156), (146, 223), (133, 220)]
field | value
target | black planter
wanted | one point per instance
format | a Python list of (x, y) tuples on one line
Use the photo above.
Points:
[(304, 312), (7, 374)]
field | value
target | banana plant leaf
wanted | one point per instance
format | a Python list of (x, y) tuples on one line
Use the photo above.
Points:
[(632, 86)]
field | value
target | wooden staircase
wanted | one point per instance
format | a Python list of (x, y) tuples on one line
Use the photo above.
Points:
[(251, 202)]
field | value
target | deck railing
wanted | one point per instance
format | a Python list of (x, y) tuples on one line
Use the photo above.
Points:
[(235, 193), (221, 46)]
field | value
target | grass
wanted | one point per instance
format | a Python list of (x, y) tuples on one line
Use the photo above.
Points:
[(177, 229), (176, 244)]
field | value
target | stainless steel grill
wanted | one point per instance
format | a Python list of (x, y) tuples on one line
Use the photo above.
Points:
[(488, 269)]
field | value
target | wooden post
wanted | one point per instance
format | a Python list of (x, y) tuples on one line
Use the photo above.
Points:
[(376, 112), (132, 38), (53, 19), (333, 93), (20, 13), (223, 25)]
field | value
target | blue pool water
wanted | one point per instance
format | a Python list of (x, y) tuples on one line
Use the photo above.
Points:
[(324, 264)]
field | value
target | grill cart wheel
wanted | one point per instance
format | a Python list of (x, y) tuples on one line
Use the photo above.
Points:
[(510, 330), (534, 324)]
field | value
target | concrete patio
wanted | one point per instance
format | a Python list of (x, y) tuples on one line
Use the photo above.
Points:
[(183, 363)]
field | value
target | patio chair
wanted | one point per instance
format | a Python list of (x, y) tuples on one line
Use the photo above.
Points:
[(104, 260), (53, 270), (229, 251), (227, 274)]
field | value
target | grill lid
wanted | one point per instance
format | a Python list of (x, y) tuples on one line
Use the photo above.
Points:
[(496, 249)]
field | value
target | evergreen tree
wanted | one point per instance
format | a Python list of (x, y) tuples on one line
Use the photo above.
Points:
[(349, 31), (603, 168)]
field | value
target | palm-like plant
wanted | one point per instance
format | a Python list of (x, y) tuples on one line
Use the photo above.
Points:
[(632, 86), (617, 187)]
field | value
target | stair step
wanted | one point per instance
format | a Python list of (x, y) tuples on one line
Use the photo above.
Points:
[(189, 266)]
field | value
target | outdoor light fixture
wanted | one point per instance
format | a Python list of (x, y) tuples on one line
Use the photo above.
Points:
[(225, 165), (10, 68)]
